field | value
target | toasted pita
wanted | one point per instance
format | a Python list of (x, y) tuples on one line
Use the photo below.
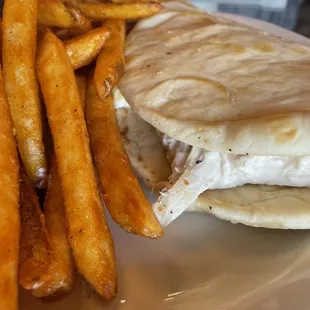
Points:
[(219, 85), (259, 206), (144, 149)]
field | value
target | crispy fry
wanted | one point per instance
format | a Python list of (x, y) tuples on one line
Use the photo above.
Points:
[(81, 22), (81, 82), (122, 193), (110, 62), (61, 271), (84, 49), (9, 218), (102, 11), (21, 86), (89, 234), (53, 13), (35, 255)]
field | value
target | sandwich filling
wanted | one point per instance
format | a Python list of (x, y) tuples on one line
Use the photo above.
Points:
[(196, 170)]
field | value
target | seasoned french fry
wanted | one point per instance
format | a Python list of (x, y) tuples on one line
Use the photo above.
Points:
[(82, 23), (89, 234), (84, 49), (21, 86), (102, 11), (122, 193), (53, 13), (81, 82), (9, 216), (61, 272), (35, 255), (110, 62)]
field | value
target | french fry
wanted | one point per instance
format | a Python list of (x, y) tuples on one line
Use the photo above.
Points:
[(35, 254), (121, 191), (83, 24), (61, 272), (81, 82), (84, 49), (102, 11), (110, 62), (21, 86), (53, 13), (89, 234), (9, 216)]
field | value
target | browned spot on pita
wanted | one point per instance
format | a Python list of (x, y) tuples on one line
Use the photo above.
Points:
[(129, 59), (286, 135), (283, 131), (233, 47), (124, 131), (140, 159), (215, 37), (263, 47), (299, 50), (124, 134), (209, 21)]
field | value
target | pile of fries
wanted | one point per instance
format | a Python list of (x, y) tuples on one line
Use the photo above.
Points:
[(58, 133)]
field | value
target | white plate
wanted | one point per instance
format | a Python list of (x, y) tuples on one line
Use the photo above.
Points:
[(204, 263)]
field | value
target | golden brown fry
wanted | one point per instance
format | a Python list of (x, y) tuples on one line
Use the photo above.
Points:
[(89, 234), (110, 62), (61, 272), (83, 24), (102, 11), (21, 86), (84, 49), (81, 82), (9, 216), (53, 13), (35, 255), (122, 193)]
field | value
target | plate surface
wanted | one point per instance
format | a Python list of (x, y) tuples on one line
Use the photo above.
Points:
[(204, 263)]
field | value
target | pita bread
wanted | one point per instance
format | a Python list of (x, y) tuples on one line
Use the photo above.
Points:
[(253, 205), (219, 85), (144, 149), (259, 206)]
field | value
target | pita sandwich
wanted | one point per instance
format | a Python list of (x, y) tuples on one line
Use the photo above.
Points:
[(218, 118)]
